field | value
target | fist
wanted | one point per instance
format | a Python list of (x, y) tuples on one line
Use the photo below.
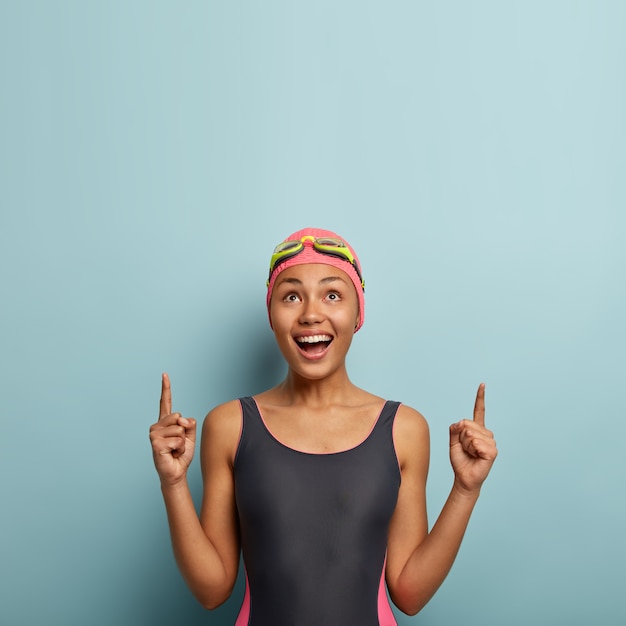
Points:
[(472, 447), (173, 439)]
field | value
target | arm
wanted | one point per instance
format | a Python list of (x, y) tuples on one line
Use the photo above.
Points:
[(418, 561), (206, 548)]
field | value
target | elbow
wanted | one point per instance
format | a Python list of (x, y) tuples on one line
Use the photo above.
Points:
[(408, 609), (212, 601), (213, 588), (408, 603)]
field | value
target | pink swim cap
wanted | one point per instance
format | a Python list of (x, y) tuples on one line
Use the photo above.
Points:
[(310, 255)]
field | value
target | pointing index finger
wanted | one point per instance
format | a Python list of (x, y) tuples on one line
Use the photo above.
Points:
[(479, 405), (165, 407)]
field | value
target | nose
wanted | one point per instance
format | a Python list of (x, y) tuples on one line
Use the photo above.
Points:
[(311, 312)]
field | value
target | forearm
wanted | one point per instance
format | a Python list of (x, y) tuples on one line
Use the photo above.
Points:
[(198, 559), (429, 564)]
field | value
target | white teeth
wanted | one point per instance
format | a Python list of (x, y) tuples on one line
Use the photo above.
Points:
[(314, 339)]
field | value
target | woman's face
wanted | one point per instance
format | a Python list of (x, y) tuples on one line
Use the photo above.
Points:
[(314, 312)]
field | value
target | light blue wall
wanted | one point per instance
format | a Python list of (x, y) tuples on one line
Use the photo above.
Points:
[(151, 154)]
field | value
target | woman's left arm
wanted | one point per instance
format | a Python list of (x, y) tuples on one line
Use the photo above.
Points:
[(417, 560)]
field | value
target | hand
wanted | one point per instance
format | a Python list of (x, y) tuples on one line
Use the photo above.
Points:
[(173, 439), (472, 448)]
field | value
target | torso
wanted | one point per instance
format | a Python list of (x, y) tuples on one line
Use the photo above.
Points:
[(314, 511)]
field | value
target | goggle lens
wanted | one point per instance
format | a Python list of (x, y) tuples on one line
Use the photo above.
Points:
[(327, 241), (287, 245)]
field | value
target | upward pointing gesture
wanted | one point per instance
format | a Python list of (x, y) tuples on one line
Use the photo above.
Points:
[(479, 405), (472, 447), (165, 406), (173, 439)]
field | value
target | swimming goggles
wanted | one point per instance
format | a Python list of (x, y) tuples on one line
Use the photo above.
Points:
[(324, 245)]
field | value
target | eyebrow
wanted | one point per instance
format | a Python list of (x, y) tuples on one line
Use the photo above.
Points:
[(330, 279)]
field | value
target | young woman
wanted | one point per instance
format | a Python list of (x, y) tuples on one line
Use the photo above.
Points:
[(320, 484)]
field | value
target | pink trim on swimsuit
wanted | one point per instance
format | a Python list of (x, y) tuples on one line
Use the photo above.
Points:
[(385, 614), (244, 612)]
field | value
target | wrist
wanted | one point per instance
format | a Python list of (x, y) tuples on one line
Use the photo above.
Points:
[(174, 487), (467, 493)]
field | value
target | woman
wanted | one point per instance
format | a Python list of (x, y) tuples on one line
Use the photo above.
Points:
[(320, 484)]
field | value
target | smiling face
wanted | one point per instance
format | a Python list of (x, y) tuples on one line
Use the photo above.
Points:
[(314, 311)]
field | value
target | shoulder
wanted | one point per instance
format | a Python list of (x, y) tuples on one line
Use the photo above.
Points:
[(222, 429), (411, 435), (410, 423), (223, 414)]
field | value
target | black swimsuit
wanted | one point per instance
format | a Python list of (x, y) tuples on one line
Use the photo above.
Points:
[(314, 527)]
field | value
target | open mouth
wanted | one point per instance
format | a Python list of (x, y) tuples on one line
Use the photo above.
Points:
[(314, 344)]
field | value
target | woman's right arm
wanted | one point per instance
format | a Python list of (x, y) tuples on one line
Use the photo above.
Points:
[(206, 548)]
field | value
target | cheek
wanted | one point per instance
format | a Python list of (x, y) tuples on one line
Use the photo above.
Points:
[(280, 318), (357, 314), (351, 317), (271, 310)]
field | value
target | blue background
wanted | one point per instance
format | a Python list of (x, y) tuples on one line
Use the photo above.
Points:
[(151, 156)]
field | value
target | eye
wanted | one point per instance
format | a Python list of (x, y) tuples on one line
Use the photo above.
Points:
[(334, 296), (291, 297)]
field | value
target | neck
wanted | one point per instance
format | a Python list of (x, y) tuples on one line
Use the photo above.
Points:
[(335, 389)]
